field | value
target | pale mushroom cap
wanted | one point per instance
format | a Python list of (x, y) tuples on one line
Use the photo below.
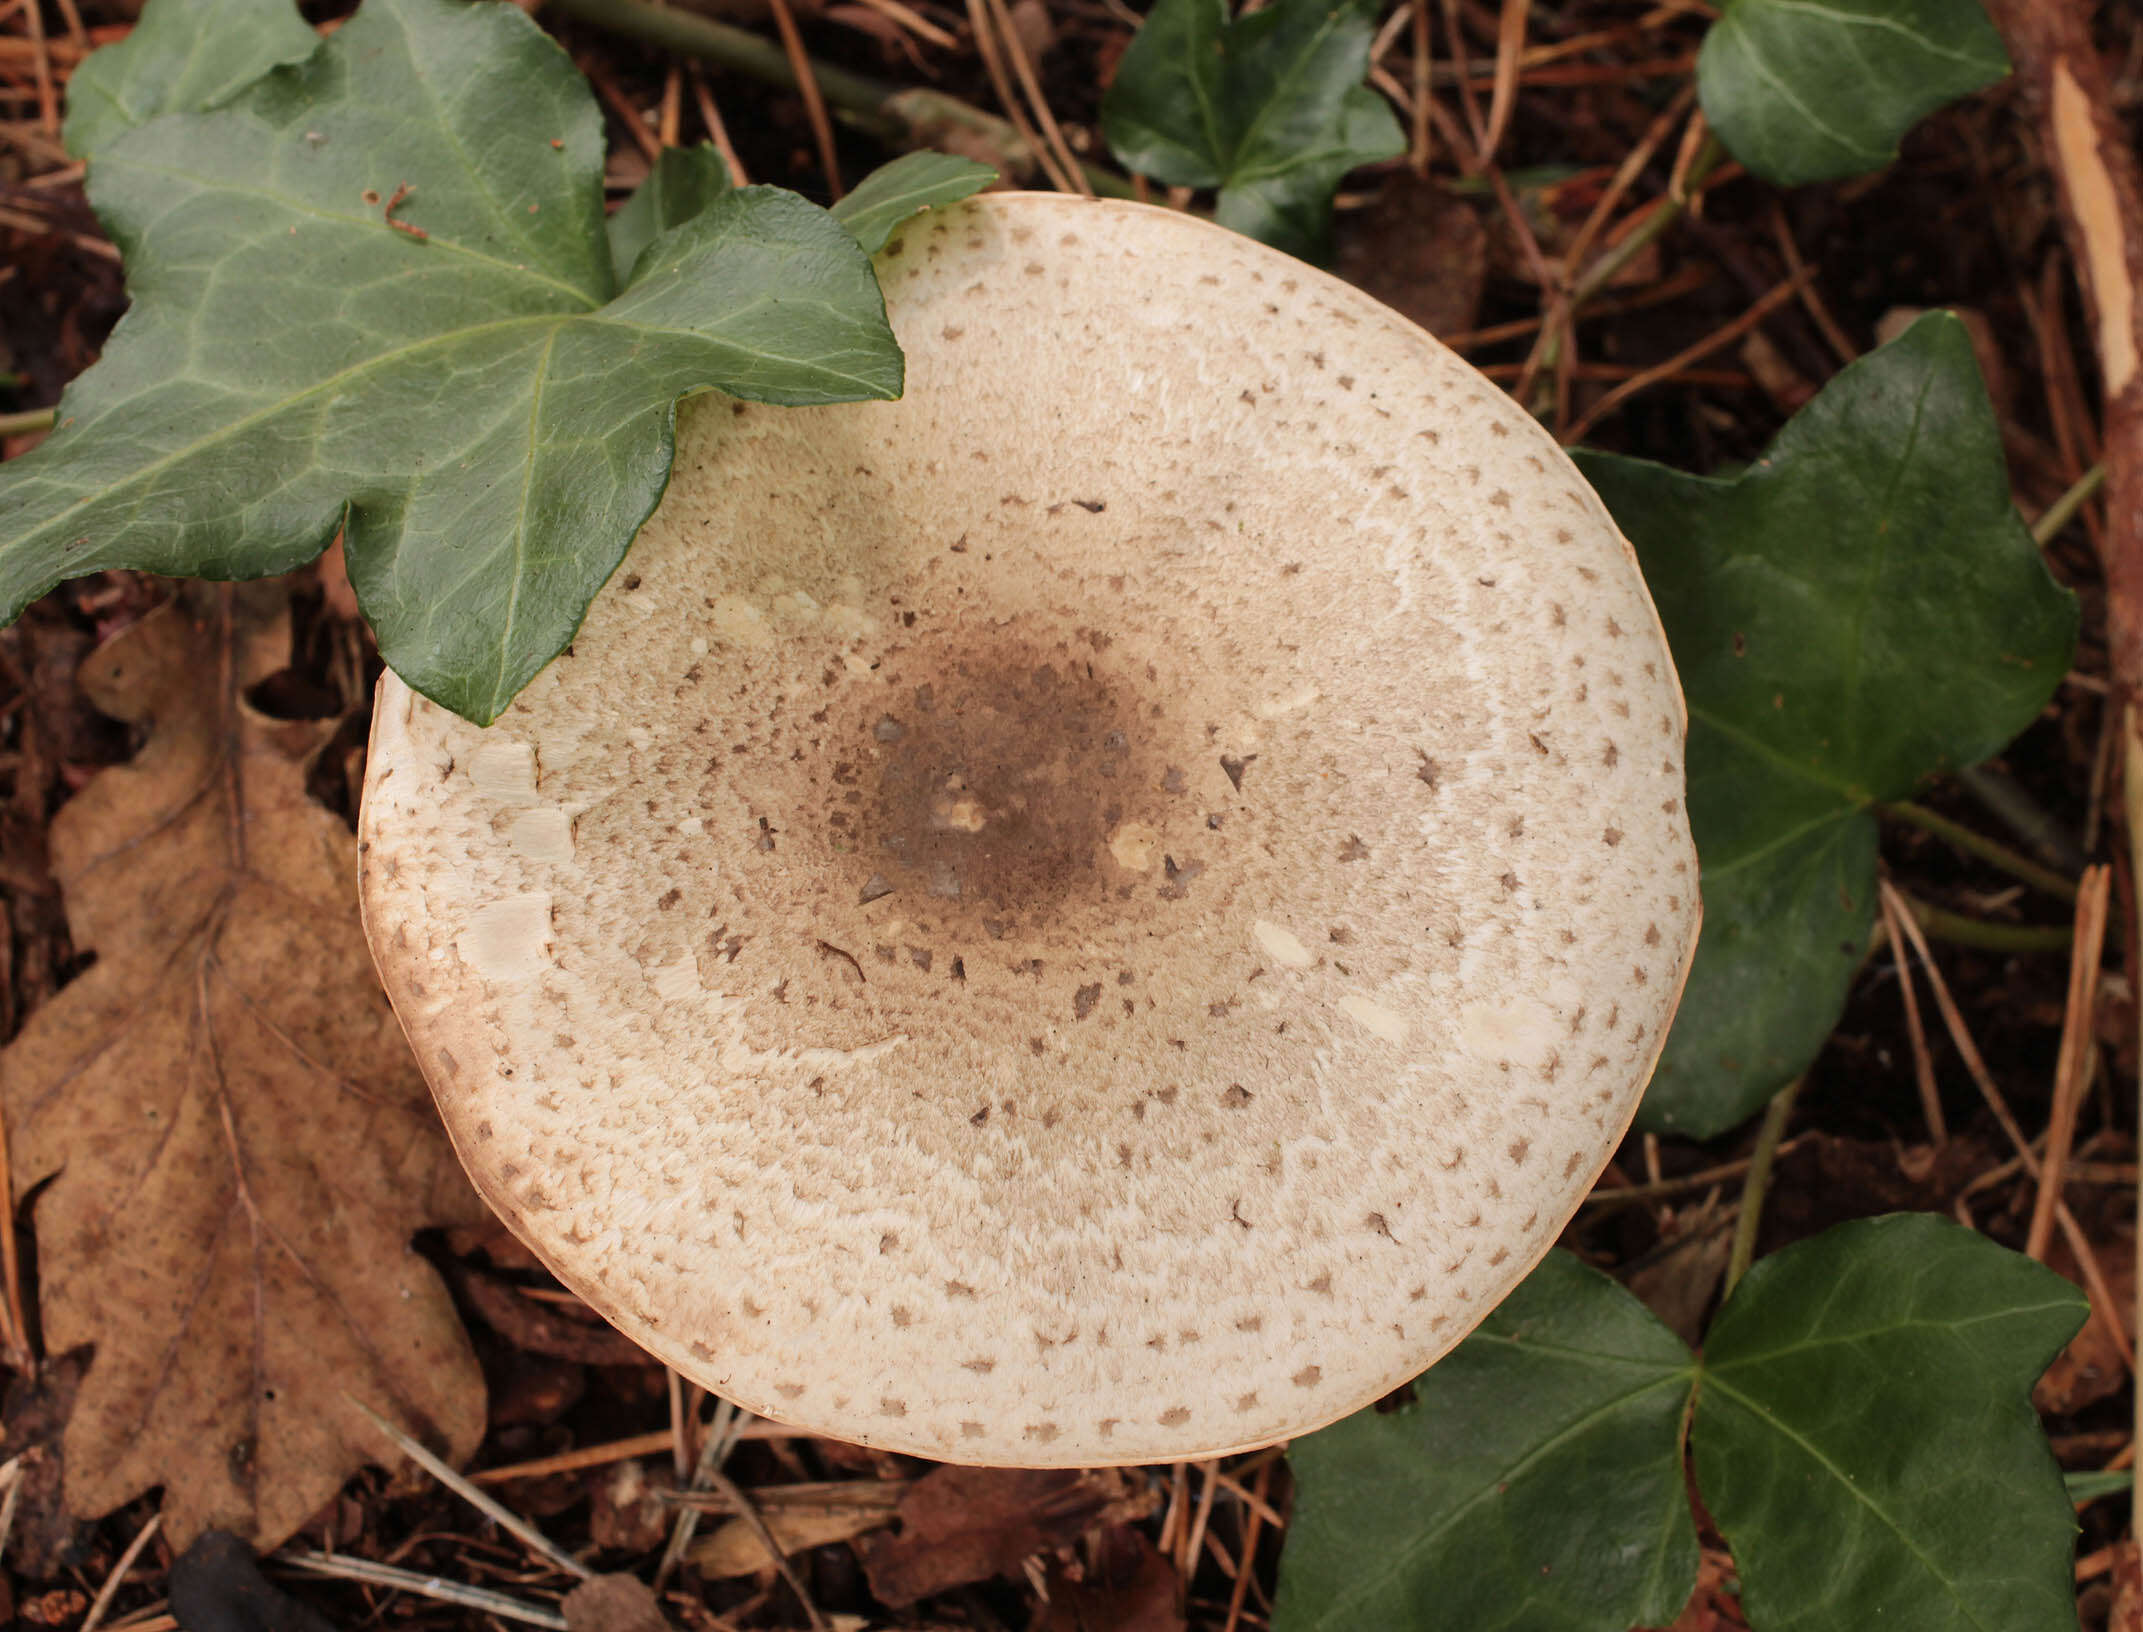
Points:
[(1106, 911)]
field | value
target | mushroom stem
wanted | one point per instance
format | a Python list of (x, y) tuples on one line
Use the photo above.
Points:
[(1754, 1187)]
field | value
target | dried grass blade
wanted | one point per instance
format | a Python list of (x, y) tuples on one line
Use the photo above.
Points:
[(2078, 1051)]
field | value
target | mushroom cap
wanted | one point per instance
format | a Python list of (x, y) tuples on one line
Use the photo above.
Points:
[(1106, 911)]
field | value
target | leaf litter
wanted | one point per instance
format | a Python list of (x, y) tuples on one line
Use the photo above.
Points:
[(229, 1144)]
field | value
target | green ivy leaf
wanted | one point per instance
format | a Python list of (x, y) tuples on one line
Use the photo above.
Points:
[(913, 182), (1858, 610), (683, 183), (182, 57), (1865, 1439), (1269, 108), (1534, 1482), (1800, 91), (1863, 1434), (471, 401)]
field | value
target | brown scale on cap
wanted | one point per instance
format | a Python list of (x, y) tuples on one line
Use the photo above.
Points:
[(986, 777)]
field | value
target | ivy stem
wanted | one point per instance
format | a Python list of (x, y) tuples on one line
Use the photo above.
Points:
[(2063, 510), (30, 419), (2024, 816), (1753, 1188), (1664, 214), (1991, 851), (1958, 930), (894, 115)]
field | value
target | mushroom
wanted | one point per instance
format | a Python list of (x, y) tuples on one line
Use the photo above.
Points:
[(1104, 912)]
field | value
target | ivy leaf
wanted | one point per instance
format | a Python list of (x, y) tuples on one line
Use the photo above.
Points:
[(1865, 1439), (913, 182), (1269, 108), (1858, 610), (1802, 92), (1535, 1481), (374, 293), (182, 57), (683, 183)]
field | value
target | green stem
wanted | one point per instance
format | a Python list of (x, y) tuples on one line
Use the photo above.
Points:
[(2063, 510), (1664, 214), (1602, 272), (30, 419), (895, 116), (1991, 851), (1958, 930), (2024, 816), (1750, 1219)]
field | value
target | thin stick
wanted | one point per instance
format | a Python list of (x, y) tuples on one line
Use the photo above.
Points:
[(1503, 97), (1811, 298), (748, 1510), (2079, 1046), (1750, 1218), (1617, 1194), (807, 85), (616, 1450), (666, 122), (722, 1436), (1194, 1536), (1923, 1065), (1968, 1051), (11, 1480), (112, 1583), (17, 1336), (1624, 178), (341, 1567), (1762, 308), (1991, 851), (1244, 1571), (914, 22), (978, 21), (621, 105), (1419, 149), (717, 132), (2063, 510), (504, 1517), (79, 37), (1008, 42), (48, 106), (680, 1437)]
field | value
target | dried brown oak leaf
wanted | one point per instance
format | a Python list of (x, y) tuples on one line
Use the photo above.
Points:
[(241, 1141)]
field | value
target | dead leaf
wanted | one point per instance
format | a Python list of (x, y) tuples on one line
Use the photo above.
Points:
[(630, 1513), (1418, 249), (1715, 1605), (242, 1142), (1678, 1278), (548, 1328), (799, 1516), (612, 1603), (1131, 1588), (2127, 1612), (2090, 1369), (32, 1424), (968, 1524)]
